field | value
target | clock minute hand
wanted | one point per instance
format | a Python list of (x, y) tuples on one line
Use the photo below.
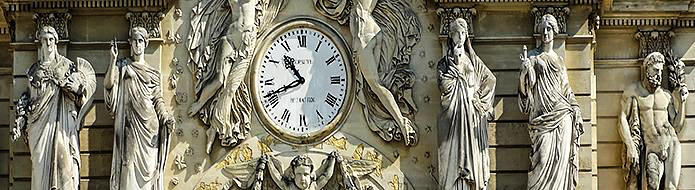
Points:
[(284, 88)]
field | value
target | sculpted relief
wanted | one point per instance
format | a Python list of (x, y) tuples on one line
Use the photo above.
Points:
[(50, 114), (221, 43), (554, 115), (384, 33), (266, 172), (133, 95), (650, 120), (468, 90)]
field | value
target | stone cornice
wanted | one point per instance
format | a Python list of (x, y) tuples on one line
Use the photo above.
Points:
[(672, 22), (574, 2), (29, 5)]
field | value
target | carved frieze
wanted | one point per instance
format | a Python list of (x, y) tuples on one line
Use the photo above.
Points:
[(446, 15), (574, 2), (561, 13), (59, 21), (148, 20), (24, 5), (673, 22), (653, 41)]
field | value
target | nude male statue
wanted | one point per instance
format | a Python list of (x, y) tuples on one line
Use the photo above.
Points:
[(652, 115)]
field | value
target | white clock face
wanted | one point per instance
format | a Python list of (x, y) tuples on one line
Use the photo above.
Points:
[(301, 81)]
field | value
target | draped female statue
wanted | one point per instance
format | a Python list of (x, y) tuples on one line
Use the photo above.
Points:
[(554, 115), (468, 89), (51, 114), (133, 94)]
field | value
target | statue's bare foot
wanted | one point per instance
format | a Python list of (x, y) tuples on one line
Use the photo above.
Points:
[(195, 108), (410, 136)]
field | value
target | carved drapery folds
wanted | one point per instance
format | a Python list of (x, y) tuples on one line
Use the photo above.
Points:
[(447, 15), (561, 13), (653, 41), (148, 20), (59, 21)]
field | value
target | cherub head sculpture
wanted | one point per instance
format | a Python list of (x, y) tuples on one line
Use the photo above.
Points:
[(548, 28), (138, 40), (651, 70), (48, 37), (302, 171)]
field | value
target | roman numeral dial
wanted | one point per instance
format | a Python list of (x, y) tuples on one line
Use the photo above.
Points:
[(302, 80)]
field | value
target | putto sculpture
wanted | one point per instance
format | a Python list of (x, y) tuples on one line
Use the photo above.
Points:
[(650, 120), (301, 174), (468, 90), (554, 115), (51, 112), (133, 95)]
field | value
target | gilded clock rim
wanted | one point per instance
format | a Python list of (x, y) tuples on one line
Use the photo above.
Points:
[(334, 125)]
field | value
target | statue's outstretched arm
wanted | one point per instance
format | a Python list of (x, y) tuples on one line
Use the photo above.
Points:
[(328, 173), (275, 173)]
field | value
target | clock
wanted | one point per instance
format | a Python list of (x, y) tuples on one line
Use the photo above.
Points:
[(302, 81)]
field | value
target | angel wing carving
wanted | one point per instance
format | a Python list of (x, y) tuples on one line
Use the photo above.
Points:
[(221, 43), (256, 174)]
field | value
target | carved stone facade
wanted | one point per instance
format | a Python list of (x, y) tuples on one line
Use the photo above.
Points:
[(57, 20), (148, 20), (447, 15), (389, 139), (654, 41), (561, 14)]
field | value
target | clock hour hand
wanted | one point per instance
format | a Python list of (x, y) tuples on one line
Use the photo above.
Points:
[(289, 64)]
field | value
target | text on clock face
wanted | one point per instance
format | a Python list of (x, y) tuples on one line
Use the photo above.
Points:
[(302, 80)]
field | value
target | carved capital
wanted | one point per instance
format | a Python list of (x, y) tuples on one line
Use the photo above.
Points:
[(654, 41), (594, 21), (148, 20), (446, 15), (561, 13), (59, 21)]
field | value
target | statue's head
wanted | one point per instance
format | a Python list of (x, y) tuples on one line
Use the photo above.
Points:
[(651, 70), (138, 40), (48, 37), (458, 32), (302, 170), (548, 28)]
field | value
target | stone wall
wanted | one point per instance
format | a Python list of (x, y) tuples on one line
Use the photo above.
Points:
[(90, 31), (600, 63), (618, 67)]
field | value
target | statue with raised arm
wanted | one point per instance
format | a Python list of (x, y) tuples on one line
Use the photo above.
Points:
[(650, 120), (468, 90), (51, 113), (384, 33), (133, 96), (555, 121)]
